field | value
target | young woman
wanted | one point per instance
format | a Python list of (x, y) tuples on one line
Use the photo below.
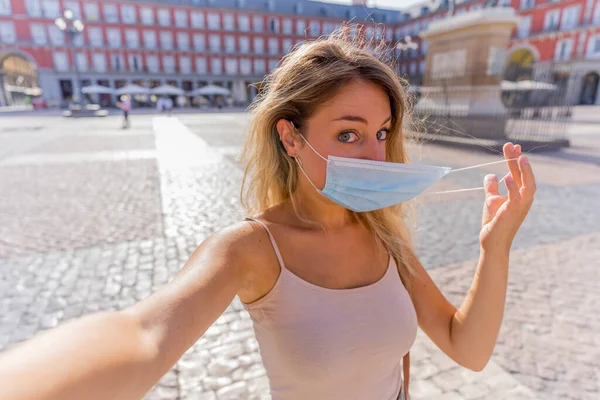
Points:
[(325, 267)]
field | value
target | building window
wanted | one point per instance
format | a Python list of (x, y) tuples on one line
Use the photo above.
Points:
[(422, 67), (563, 50), (524, 26), (152, 64), (231, 67), (150, 39), (412, 69), (133, 38), (82, 61), (273, 46), (38, 34), (33, 7), (216, 66), (315, 28), (274, 25), (244, 44), (287, 26), (128, 14), (57, 37), (201, 65), (272, 65), (258, 23), (215, 43), (164, 17), (287, 45), (92, 11), (185, 65), (259, 67), (183, 41), (199, 42), (228, 22), (596, 17), (593, 50), (244, 23), (61, 61), (166, 40), (389, 34), (214, 21), (51, 8), (197, 19), (181, 19), (135, 62), (230, 44), (73, 6), (114, 37), (110, 13), (551, 20), (259, 45), (527, 4), (300, 27), (99, 60), (245, 66), (147, 16), (169, 64), (424, 47), (570, 18), (95, 36)]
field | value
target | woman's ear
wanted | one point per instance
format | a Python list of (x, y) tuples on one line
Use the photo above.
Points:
[(288, 136)]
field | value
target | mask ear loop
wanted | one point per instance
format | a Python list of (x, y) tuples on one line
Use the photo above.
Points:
[(299, 161), (472, 167)]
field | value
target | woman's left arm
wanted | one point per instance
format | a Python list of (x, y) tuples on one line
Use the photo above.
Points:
[(468, 335)]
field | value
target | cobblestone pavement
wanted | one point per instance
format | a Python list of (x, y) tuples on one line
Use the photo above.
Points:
[(93, 217)]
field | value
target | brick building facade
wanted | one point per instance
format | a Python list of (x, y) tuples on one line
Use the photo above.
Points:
[(190, 43)]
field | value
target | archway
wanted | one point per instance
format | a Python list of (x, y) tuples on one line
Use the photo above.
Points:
[(18, 80), (519, 65), (589, 88)]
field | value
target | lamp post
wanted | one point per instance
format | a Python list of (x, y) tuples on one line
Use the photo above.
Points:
[(72, 27), (406, 45)]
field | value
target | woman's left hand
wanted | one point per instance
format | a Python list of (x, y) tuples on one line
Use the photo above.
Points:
[(503, 215)]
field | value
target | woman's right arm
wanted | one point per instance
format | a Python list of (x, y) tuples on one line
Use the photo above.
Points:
[(121, 355)]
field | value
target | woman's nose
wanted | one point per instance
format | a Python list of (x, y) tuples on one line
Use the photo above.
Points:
[(374, 150)]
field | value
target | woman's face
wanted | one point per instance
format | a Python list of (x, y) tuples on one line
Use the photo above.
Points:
[(355, 124)]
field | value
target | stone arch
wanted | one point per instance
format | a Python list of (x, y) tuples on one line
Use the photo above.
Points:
[(519, 63), (18, 78)]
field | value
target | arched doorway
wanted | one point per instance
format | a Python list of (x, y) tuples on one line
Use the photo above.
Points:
[(519, 65), (18, 80), (589, 88)]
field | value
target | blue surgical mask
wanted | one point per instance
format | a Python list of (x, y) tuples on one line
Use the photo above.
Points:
[(366, 185)]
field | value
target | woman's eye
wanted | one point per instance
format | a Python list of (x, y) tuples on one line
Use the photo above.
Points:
[(382, 134), (348, 137)]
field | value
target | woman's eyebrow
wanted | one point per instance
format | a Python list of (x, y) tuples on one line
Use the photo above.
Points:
[(356, 118)]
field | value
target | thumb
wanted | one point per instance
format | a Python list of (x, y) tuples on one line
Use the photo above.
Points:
[(490, 185)]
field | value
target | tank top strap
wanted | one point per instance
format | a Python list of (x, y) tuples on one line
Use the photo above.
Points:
[(272, 239)]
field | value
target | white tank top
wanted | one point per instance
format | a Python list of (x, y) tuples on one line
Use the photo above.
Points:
[(319, 343)]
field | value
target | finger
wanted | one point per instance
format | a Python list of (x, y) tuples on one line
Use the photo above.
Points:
[(529, 187), (513, 165), (490, 184), (514, 196)]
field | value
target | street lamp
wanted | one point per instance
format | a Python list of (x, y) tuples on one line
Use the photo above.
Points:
[(405, 45), (72, 27)]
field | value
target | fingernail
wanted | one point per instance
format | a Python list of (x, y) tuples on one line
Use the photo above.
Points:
[(509, 178), (525, 160)]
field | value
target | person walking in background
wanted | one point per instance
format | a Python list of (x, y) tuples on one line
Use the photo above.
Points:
[(324, 263), (125, 106)]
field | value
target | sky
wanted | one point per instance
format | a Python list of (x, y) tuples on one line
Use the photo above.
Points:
[(391, 4)]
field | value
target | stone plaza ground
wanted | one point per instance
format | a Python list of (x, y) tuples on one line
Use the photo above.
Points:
[(93, 217)]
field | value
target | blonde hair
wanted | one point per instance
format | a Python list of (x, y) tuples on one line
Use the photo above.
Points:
[(307, 77)]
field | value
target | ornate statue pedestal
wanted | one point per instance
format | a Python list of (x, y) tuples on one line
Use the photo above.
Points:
[(464, 62)]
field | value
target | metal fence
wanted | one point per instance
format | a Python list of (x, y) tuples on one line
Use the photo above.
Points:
[(479, 109)]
